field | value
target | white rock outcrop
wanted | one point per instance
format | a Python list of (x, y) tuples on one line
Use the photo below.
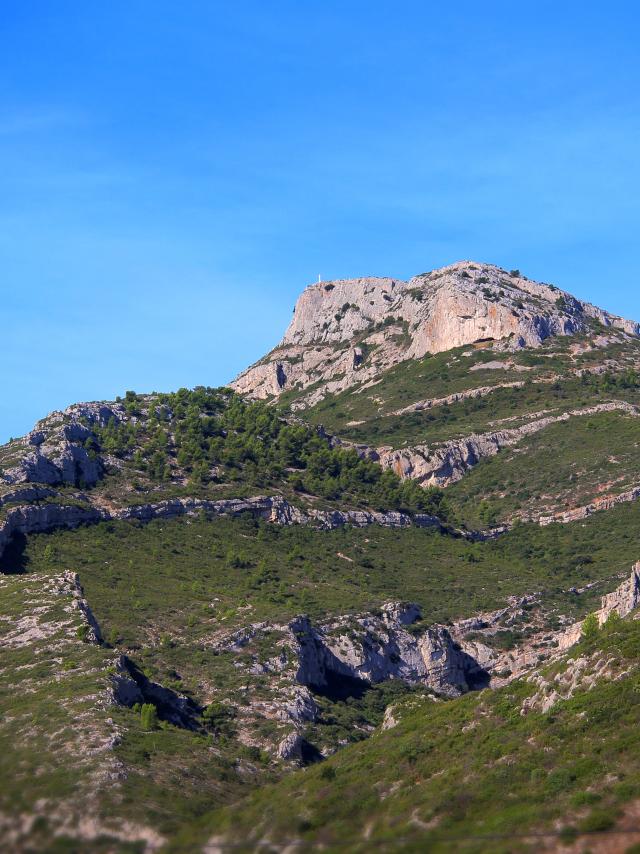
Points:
[(291, 748), (349, 331), (375, 647), (55, 451), (343, 655), (623, 600), (585, 671)]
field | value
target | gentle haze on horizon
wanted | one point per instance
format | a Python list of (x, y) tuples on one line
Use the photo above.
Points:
[(172, 175)]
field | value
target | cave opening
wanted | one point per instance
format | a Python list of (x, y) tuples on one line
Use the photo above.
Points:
[(339, 687), (13, 559)]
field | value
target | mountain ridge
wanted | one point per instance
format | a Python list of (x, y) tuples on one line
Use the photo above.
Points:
[(346, 331)]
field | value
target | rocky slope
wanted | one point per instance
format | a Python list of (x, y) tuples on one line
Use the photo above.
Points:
[(58, 734), (57, 450), (339, 655), (499, 771), (347, 331)]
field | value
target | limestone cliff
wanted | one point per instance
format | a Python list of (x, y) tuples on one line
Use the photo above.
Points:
[(347, 331), (339, 656)]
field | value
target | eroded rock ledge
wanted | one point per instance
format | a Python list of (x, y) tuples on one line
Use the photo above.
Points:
[(37, 518), (441, 465), (40, 518)]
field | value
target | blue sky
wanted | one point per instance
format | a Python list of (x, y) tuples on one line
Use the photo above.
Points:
[(173, 174)]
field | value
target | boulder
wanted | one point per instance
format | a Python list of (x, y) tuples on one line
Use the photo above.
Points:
[(291, 748)]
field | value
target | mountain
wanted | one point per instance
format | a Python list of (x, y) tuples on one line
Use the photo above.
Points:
[(347, 331), (381, 592)]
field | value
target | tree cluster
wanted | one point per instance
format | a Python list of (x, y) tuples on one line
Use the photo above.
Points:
[(213, 434)]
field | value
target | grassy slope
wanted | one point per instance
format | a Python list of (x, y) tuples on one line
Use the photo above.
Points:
[(484, 414), (566, 465), (172, 776), (179, 581), (446, 373), (562, 467), (67, 754), (472, 775)]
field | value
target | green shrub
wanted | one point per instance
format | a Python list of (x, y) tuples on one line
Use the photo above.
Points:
[(149, 716), (568, 835), (218, 717), (328, 772), (249, 441), (235, 560), (49, 554), (598, 820), (82, 632), (581, 799), (590, 628)]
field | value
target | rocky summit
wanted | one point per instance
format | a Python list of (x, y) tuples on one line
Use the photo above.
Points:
[(379, 594), (349, 330)]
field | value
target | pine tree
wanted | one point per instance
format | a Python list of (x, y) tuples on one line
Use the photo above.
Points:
[(590, 627)]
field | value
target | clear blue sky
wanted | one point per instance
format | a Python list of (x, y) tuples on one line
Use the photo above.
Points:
[(173, 174)]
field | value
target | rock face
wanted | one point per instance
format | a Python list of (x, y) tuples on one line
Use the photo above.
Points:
[(93, 632), (55, 451), (580, 674), (348, 331), (542, 645), (36, 518), (341, 657), (276, 509), (605, 502), (585, 671), (623, 600), (291, 748), (25, 495), (131, 686), (338, 656)]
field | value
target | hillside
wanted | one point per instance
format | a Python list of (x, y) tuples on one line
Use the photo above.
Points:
[(340, 603), (496, 771)]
